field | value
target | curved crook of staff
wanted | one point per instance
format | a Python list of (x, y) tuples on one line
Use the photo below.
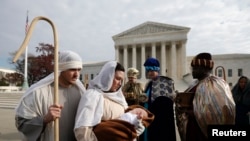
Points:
[(23, 47), (223, 70)]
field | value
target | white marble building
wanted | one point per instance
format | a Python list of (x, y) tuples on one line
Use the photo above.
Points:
[(167, 43), (230, 66)]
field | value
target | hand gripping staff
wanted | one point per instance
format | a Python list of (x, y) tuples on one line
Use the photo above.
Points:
[(21, 50)]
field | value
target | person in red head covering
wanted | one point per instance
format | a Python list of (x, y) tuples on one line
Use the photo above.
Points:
[(211, 101)]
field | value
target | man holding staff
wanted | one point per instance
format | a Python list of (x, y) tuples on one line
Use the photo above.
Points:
[(36, 111)]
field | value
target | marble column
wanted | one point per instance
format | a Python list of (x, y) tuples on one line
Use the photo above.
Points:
[(134, 56), (125, 56), (142, 61), (153, 48), (163, 58), (184, 58), (173, 60)]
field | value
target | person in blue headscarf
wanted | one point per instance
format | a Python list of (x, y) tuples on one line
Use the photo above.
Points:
[(161, 92)]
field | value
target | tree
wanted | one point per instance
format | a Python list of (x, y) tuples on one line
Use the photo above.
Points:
[(41, 65), (14, 79), (38, 66)]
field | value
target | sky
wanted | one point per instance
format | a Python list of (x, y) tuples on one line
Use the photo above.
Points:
[(87, 26)]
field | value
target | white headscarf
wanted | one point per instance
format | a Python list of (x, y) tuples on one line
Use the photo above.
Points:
[(90, 109), (67, 60)]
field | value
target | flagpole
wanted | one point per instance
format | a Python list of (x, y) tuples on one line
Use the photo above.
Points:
[(25, 82)]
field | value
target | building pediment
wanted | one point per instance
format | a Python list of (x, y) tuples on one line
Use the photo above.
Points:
[(149, 28)]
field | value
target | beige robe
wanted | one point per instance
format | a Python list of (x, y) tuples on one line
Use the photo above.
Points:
[(34, 107), (111, 110)]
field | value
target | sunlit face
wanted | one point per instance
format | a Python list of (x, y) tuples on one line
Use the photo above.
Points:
[(117, 81), (69, 77)]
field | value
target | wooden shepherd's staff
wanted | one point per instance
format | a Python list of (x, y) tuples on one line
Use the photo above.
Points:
[(21, 50)]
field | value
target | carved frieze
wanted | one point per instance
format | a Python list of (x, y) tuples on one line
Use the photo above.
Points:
[(148, 28)]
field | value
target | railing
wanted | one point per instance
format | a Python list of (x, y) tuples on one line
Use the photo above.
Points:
[(10, 88)]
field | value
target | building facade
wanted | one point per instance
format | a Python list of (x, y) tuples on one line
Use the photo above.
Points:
[(230, 66), (89, 71), (167, 43)]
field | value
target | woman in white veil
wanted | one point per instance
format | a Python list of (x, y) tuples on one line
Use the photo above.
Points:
[(103, 100)]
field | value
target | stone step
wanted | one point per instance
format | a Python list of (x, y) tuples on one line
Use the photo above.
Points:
[(9, 100), (8, 105)]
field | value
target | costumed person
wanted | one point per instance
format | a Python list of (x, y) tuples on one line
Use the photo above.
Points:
[(241, 95), (210, 101), (133, 90), (160, 92), (101, 107), (36, 110)]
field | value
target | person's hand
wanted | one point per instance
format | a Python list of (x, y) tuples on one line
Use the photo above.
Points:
[(53, 113), (143, 98), (140, 128)]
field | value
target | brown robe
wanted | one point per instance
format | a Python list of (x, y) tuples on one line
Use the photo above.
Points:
[(119, 130)]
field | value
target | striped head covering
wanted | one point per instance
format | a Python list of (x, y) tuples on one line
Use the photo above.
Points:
[(203, 60), (152, 64)]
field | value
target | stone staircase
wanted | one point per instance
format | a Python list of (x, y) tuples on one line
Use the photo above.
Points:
[(10, 100)]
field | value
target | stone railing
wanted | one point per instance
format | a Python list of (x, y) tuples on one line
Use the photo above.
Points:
[(10, 88)]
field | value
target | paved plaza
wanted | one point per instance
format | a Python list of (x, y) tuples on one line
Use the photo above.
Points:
[(8, 131)]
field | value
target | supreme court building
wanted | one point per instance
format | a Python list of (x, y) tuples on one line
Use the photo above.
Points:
[(165, 42), (132, 47)]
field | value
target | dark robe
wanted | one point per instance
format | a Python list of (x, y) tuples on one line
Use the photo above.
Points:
[(242, 101), (160, 103), (187, 125)]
